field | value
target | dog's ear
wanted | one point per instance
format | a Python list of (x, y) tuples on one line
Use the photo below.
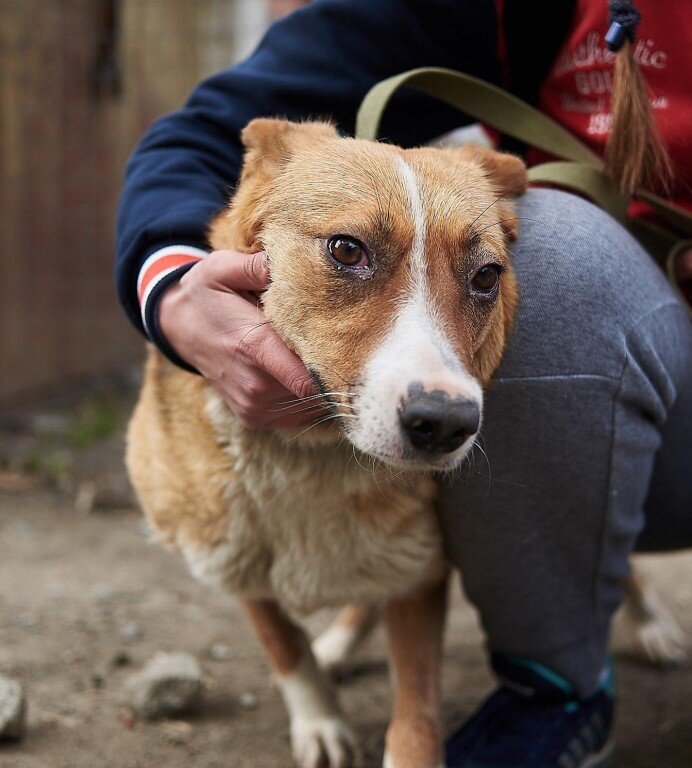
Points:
[(269, 145), (508, 175), (507, 172)]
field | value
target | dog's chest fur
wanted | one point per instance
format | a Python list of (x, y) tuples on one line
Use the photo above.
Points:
[(312, 526)]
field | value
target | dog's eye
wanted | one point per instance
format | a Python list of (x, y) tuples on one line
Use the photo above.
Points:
[(348, 251), (486, 279)]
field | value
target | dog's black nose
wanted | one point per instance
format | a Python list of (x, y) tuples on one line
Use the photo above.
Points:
[(436, 423)]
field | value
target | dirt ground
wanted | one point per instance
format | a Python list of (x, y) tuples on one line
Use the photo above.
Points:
[(85, 600)]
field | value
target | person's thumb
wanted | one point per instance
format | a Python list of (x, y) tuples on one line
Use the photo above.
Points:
[(241, 271)]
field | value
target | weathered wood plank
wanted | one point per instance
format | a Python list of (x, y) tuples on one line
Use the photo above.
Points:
[(62, 152)]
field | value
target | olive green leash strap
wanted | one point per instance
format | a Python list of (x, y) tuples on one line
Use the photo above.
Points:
[(584, 179), (480, 100)]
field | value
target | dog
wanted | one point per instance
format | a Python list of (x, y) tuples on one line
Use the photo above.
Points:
[(391, 279)]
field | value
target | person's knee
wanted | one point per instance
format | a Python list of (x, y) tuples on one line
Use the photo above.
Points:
[(588, 251), (584, 282)]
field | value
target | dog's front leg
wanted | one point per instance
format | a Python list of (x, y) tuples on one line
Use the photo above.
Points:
[(320, 736), (415, 627)]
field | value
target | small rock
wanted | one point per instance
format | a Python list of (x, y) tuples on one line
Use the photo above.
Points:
[(12, 709), (248, 700), (170, 683), (121, 659), (130, 632), (220, 652)]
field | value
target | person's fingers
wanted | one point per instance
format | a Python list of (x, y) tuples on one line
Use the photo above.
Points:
[(296, 412), (239, 271), (260, 401), (255, 415), (254, 388), (273, 356)]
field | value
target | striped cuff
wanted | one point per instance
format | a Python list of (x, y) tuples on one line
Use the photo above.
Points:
[(156, 269), (162, 268)]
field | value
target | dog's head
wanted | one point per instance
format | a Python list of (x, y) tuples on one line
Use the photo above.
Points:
[(390, 275)]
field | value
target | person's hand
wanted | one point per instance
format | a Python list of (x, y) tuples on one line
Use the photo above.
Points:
[(212, 319)]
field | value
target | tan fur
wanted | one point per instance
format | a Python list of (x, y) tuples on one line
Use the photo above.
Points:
[(307, 521), (414, 627), (283, 642)]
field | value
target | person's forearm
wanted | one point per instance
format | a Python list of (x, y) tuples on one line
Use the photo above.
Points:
[(317, 62)]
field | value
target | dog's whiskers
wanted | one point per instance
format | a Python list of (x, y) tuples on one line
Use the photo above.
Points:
[(497, 200), (515, 218), (311, 406), (487, 461), (355, 456), (322, 421), (321, 396), (288, 412)]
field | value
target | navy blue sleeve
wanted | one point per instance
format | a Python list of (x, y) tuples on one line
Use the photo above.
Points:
[(318, 62)]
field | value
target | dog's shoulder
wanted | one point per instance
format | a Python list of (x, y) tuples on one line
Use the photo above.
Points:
[(180, 471)]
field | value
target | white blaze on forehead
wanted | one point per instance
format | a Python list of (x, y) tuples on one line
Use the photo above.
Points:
[(419, 312), (416, 349), (418, 217)]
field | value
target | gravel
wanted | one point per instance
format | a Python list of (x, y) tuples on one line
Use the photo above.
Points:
[(220, 652)]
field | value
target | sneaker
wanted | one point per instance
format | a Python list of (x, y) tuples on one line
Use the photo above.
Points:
[(535, 720)]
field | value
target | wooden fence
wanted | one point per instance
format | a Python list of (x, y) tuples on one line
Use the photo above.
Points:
[(80, 81)]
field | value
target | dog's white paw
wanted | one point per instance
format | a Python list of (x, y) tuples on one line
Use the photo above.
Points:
[(646, 630), (323, 742), (659, 641)]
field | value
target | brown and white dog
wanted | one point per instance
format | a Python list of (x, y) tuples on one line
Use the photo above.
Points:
[(391, 280)]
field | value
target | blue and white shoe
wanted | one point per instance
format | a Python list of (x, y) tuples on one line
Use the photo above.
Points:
[(535, 720)]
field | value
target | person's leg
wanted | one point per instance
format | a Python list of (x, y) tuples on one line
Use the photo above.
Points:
[(599, 359)]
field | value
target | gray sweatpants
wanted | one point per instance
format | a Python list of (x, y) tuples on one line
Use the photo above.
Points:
[(588, 436)]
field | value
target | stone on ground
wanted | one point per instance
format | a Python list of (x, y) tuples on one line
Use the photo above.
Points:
[(169, 684), (12, 709)]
